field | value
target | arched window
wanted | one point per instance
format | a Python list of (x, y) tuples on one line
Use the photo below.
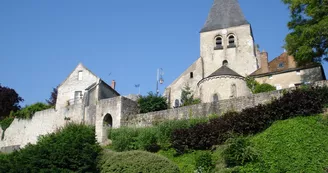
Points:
[(233, 91), (225, 63), (215, 98), (232, 43), (176, 103), (218, 43)]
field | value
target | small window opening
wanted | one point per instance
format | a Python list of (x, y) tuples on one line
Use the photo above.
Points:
[(281, 65), (233, 91), (231, 41), (225, 63), (218, 42), (191, 75), (215, 98), (176, 103), (80, 75)]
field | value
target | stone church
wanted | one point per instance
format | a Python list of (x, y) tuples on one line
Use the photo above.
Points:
[(228, 54)]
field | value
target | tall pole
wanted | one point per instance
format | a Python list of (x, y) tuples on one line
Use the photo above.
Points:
[(157, 79)]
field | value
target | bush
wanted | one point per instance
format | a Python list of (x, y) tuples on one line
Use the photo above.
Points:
[(72, 149), (256, 87), (239, 152), (250, 120), (147, 139), (124, 139), (151, 103), (204, 163), (28, 111), (136, 162)]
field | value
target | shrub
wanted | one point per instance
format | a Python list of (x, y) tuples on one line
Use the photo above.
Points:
[(239, 152), (204, 163), (151, 103), (124, 139), (71, 149), (261, 88), (187, 97), (250, 120), (256, 87), (136, 162), (28, 111), (147, 139)]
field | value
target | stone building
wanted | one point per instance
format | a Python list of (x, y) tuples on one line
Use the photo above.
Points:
[(282, 72), (228, 54)]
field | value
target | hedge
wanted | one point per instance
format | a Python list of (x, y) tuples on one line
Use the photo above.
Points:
[(251, 120)]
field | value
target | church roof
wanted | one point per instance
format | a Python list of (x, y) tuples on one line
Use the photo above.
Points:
[(224, 14), (224, 71)]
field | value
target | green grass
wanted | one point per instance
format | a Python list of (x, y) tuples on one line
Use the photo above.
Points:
[(295, 145)]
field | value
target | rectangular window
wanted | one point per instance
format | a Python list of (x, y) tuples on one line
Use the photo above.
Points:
[(191, 75), (77, 96), (80, 75), (278, 87)]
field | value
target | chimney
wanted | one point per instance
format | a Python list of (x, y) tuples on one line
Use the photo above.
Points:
[(113, 84), (264, 62)]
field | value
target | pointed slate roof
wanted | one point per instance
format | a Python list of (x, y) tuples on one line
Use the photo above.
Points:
[(224, 14), (224, 71)]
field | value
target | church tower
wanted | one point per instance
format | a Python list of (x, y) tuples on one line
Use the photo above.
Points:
[(227, 37)]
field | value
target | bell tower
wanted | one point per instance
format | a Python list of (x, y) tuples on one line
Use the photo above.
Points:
[(227, 38)]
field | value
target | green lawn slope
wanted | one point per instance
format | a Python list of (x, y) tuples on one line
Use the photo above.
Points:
[(295, 145)]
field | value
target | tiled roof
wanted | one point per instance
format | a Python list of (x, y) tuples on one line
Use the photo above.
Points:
[(224, 71)]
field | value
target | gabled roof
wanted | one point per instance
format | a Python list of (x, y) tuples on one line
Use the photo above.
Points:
[(79, 65), (224, 14), (224, 71)]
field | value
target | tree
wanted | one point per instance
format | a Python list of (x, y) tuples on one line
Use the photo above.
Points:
[(256, 87), (187, 97), (308, 40), (53, 97), (151, 103), (9, 101)]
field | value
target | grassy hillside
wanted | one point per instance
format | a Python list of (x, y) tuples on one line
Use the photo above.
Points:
[(295, 145)]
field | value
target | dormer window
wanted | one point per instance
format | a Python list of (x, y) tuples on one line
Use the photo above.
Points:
[(80, 75), (218, 43), (231, 42)]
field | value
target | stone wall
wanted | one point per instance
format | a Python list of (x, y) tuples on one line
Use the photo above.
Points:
[(24, 131), (200, 110)]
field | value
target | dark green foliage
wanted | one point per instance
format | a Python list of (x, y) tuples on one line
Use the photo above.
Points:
[(9, 101), (136, 162), (53, 97), (204, 162), (250, 120), (151, 103), (72, 149), (239, 152), (308, 39), (187, 97), (28, 111), (147, 139), (293, 145), (256, 87)]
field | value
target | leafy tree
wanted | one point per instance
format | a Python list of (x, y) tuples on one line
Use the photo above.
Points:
[(53, 97), (308, 41), (9, 101), (187, 96), (151, 103)]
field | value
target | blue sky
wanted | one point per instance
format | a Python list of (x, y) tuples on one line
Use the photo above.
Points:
[(42, 41)]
